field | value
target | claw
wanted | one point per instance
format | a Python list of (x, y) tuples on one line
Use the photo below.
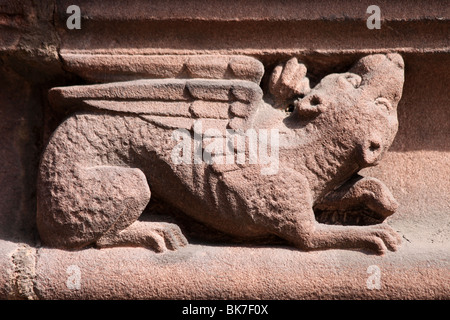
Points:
[(289, 80), (388, 236), (157, 236)]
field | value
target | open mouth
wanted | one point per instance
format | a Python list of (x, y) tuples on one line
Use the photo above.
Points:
[(356, 216)]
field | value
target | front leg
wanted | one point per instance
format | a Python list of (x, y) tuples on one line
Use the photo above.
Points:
[(313, 235), (292, 217), (377, 238), (308, 234)]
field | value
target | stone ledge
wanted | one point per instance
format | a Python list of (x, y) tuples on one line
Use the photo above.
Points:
[(253, 10), (234, 272)]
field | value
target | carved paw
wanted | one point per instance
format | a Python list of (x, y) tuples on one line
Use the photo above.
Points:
[(166, 236), (289, 80), (157, 236), (380, 238)]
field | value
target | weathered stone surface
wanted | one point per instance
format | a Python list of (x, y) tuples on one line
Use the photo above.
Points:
[(21, 120), (18, 265), (38, 52), (208, 272), (256, 27), (6, 265), (108, 68), (99, 170)]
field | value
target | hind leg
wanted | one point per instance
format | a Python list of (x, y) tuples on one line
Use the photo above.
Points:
[(100, 205), (129, 189), (127, 231)]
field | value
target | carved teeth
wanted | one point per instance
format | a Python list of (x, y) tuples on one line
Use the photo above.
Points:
[(345, 217)]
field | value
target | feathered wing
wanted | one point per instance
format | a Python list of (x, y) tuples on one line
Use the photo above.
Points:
[(170, 103), (172, 92)]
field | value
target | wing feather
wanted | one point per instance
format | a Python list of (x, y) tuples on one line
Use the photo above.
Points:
[(233, 102), (103, 68)]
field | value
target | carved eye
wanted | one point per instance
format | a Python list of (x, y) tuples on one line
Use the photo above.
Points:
[(383, 102), (354, 79)]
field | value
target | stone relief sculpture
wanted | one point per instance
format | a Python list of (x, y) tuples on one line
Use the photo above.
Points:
[(123, 146)]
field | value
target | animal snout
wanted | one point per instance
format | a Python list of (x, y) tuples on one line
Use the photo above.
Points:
[(315, 100), (311, 105), (309, 101)]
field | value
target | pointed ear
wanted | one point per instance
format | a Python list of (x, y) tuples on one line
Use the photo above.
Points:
[(310, 106)]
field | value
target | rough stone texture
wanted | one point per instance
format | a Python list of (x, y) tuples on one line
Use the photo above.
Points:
[(208, 272), (327, 37), (100, 170), (108, 68), (21, 117), (7, 275), (254, 27)]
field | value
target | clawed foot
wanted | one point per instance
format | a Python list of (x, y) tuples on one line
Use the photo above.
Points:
[(289, 80), (380, 238), (377, 238), (157, 236), (166, 236)]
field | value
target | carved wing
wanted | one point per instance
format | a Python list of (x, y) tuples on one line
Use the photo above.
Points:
[(227, 102), (171, 103), (103, 68)]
